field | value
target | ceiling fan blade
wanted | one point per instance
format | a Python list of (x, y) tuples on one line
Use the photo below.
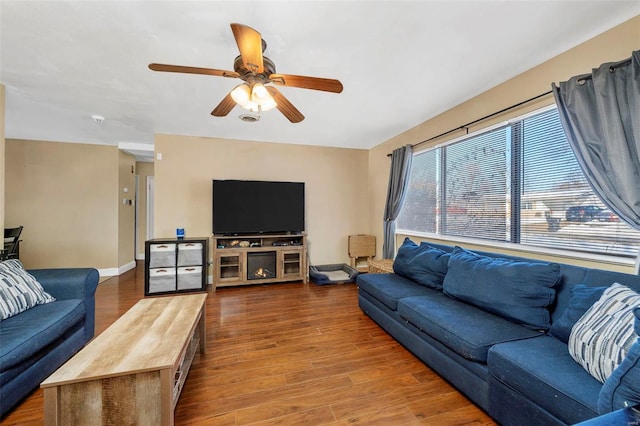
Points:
[(303, 82), (284, 106), (224, 107), (250, 46), (193, 70)]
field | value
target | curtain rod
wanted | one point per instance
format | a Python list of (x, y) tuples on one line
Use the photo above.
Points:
[(612, 68), (464, 126)]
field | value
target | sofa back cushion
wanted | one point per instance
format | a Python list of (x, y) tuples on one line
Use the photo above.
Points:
[(519, 291), (600, 277), (582, 298), (424, 264)]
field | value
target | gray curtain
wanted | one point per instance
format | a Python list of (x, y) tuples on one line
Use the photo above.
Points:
[(600, 113), (398, 179)]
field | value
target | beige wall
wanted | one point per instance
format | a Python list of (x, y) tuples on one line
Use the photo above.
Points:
[(126, 212), (613, 45), (335, 178), (143, 170), (2, 149), (65, 196)]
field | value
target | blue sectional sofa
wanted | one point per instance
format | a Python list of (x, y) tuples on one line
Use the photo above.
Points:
[(497, 327), (34, 343)]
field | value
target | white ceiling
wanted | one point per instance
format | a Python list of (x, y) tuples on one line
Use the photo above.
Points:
[(400, 63)]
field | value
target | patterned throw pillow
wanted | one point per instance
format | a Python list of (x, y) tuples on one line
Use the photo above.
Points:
[(601, 338), (19, 290), (622, 388)]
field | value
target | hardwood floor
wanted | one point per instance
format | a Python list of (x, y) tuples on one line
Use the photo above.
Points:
[(289, 354)]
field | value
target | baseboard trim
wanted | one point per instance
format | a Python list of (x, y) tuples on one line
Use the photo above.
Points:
[(110, 272), (140, 256)]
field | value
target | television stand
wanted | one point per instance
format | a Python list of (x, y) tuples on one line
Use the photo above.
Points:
[(259, 259)]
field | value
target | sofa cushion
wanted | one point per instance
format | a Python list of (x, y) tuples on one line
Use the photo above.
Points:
[(28, 333), (622, 388), (542, 370), (19, 290), (422, 263), (520, 291), (600, 340), (389, 288), (465, 329), (582, 298)]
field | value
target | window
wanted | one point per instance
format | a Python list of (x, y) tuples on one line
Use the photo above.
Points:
[(519, 183), (476, 187)]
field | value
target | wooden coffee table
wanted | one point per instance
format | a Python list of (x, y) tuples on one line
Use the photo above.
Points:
[(134, 371)]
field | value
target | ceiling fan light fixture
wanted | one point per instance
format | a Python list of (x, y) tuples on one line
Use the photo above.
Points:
[(254, 98), (241, 95), (261, 96), (251, 106), (254, 107), (259, 92), (268, 103)]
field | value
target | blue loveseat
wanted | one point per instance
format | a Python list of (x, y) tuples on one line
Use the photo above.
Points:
[(476, 319), (34, 343)]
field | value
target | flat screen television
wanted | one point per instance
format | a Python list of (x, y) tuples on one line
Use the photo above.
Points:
[(243, 207)]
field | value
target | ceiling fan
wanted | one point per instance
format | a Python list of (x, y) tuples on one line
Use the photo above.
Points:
[(256, 94)]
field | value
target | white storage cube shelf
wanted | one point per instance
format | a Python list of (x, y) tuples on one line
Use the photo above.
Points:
[(175, 265), (162, 279), (162, 255), (190, 254), (189, 277)]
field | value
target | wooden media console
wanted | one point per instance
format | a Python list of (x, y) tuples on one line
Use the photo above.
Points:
[(256, 259)]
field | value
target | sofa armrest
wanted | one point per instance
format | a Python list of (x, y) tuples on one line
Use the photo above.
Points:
[(72, 283)]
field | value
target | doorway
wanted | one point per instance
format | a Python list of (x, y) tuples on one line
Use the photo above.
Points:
[(150, 197), (144, 217)]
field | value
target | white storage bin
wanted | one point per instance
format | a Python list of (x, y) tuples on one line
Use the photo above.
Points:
[(189, 277), (189, 254), (162, 255), (162, 279)]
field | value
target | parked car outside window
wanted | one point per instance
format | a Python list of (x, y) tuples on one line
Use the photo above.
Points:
[(583, 213), (607, 216)]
